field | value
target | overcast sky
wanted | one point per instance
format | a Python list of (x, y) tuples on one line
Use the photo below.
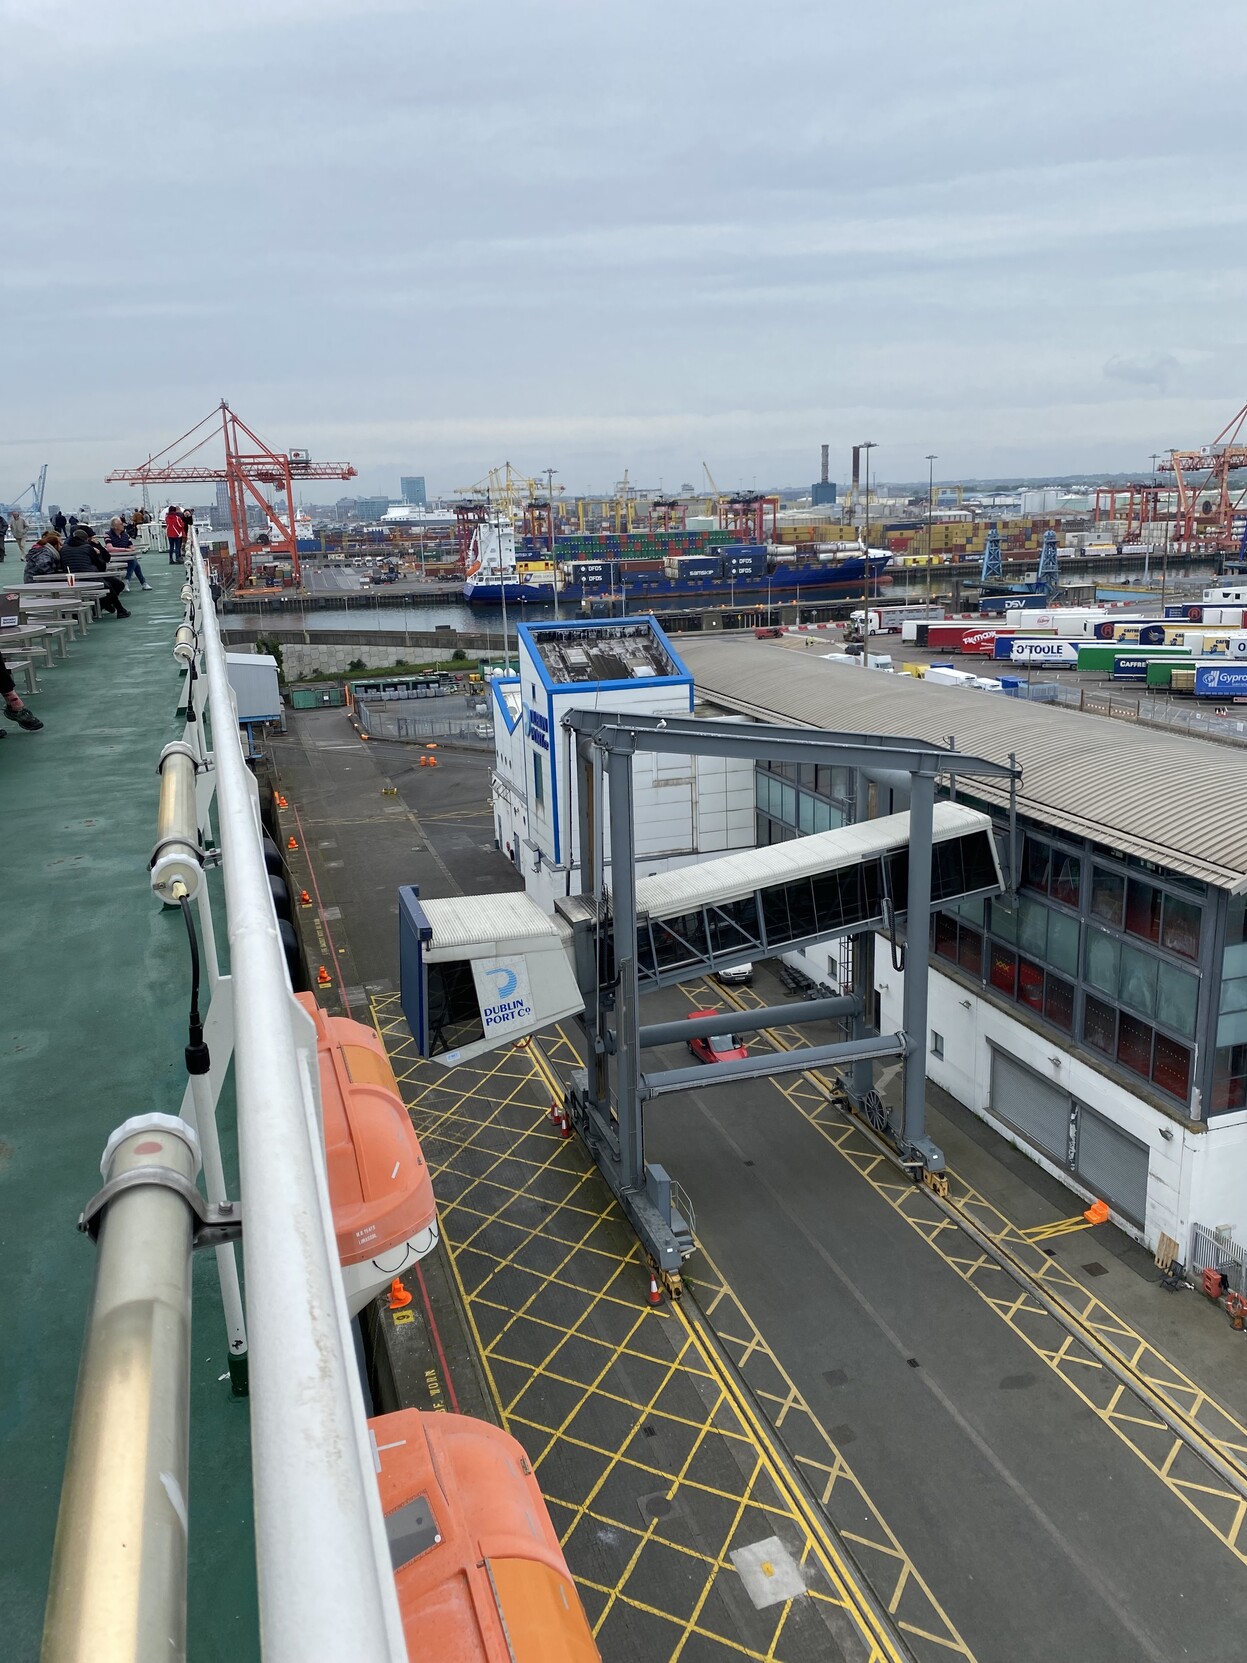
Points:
[(433, 237)]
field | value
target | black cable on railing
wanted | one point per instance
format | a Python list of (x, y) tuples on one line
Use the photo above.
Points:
[(198, 1060)]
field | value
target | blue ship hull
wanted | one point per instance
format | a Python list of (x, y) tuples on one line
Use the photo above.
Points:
[(817, 581)]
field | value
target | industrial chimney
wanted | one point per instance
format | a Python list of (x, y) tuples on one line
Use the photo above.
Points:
[(824, 493)]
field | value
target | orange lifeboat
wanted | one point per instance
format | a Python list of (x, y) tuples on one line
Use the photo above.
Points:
[(479, 1571), (384, 1214)]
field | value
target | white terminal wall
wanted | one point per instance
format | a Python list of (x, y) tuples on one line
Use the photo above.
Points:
[(685, 807), (1194, 1175)]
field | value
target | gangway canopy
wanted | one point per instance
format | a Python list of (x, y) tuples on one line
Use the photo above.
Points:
[(481, 971), (791, 895)]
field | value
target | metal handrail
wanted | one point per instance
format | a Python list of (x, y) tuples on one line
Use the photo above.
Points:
[(326, 1586), (323, 1568)]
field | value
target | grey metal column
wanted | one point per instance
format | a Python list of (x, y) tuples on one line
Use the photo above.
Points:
[(862, 1070), (627, 998), (918, 970), (118, 1583)]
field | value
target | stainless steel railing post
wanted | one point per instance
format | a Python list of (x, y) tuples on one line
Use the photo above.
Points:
[(118, 1584)]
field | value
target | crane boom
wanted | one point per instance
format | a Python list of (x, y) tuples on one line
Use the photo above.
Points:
[(244, 472)]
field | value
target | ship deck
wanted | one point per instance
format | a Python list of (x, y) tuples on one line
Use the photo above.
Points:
[(96, 982)]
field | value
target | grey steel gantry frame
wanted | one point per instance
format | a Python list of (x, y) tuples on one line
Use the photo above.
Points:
[(605, 745)]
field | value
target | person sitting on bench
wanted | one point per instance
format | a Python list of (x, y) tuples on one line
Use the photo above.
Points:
[(84, 556)]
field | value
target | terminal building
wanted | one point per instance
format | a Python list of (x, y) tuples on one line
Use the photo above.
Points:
[(1094, 1014), (686, 807), (1097, 1016)]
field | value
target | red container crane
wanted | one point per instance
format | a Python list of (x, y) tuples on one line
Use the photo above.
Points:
[(249, 465)]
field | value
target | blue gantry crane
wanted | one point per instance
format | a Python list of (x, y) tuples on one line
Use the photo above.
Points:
[(35, 490)]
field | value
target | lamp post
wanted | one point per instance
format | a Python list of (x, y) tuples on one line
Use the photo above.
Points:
[(868, 445), (554, 560), (932, 459)]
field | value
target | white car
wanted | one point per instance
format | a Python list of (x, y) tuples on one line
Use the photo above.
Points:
[(735, 975)]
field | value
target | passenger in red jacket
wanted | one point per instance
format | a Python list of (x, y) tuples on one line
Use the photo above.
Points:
[(175, 530)]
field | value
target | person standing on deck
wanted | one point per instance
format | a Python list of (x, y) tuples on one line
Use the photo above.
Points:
[(4, 532), (175, 531), (17, 530), (59, 522)]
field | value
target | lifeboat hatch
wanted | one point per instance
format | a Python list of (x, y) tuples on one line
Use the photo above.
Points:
[(411, 1530)]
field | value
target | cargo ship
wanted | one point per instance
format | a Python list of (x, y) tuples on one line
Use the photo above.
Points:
[(636, 569)]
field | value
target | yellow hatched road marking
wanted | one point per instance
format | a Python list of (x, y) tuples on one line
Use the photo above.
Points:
[(1210, 1421), (485, 1237)]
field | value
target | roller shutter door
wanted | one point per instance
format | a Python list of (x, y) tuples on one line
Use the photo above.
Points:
[(1032, 1106), (1112, 1165)]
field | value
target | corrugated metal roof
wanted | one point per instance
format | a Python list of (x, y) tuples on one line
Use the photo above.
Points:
[(499, 922), (731, 877), (1164, 797)]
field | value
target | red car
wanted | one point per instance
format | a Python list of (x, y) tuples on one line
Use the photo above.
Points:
[(724, 1047)]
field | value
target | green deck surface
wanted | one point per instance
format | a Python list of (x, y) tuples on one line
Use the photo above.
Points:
[(92, 1025)]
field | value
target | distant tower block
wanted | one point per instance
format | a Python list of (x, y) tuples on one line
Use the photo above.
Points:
[(824, 493), (412, 487)]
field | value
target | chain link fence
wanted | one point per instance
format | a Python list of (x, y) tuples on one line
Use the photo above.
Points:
[(457, 719)]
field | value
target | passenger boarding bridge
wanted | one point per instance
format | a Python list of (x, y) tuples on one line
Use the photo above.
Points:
[(481, 972)]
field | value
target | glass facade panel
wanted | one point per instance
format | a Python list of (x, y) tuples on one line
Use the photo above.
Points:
[(1004, 919), (1004, 970), (1063, 942), (1171, 1067), (1143, 907), (1033, 926), (1138, 980), (1229, 1077), (1108, 896), (1180, 927), (805, 813), (1099, 1025), (1065, 881), (787, 806), (1059, 1003), (1103, 961), (1030, 984), (945, 935), (970, 950), (1134, 1044), (1036, 861), (1177, 995)]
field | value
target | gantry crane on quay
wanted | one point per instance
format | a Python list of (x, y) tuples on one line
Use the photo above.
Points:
[(249, 465)]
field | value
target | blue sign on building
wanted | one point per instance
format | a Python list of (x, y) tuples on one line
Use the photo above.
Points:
[(1218, 681)]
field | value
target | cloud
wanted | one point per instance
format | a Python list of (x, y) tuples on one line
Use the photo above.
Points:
[(432, 236), (1156, 369)]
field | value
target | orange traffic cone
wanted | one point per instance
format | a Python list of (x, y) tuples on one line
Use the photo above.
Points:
[(566, 1123), (305, 900), (322, 977), (1097, 1212), (655, 1292), (399, 1297), (291, 843)]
